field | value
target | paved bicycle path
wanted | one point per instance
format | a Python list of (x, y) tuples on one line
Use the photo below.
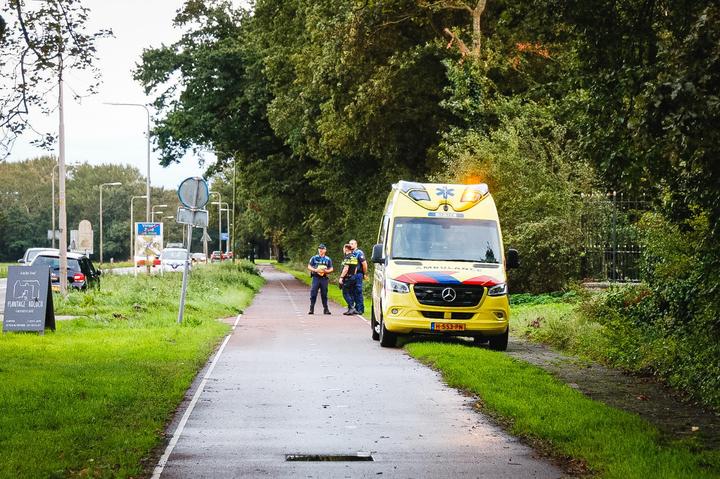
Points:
[(288, 383)]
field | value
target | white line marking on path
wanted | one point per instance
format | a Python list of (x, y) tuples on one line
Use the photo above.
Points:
[(178, 432)]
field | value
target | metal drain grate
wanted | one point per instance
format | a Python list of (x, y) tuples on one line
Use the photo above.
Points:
[(328, 457)]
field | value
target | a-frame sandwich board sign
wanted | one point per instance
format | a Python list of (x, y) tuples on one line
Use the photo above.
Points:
[(28, 300)]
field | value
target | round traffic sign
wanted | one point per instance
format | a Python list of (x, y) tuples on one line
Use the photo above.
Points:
[(193, 193)]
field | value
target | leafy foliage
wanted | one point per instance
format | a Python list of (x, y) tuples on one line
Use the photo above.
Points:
[(43, 40)]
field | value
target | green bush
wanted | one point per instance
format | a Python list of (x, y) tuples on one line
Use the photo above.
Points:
[(536, 187), (667, 327)]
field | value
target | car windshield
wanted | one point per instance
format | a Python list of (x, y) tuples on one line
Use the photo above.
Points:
[(32, 254), (446, 239), (176, 254), (54, 263)]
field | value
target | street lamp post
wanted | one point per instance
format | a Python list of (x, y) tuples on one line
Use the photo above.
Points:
[(219, 217), (160, 213), (132, 227), (152, 211), (115, 183), (227, 221), (147, 183)]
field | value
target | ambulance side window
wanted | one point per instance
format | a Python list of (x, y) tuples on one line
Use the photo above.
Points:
[(383, 231)]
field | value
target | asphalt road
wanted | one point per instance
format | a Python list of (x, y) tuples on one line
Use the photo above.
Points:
[(287, 383)]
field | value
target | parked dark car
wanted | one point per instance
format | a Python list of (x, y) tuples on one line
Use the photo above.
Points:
[(81, 273)]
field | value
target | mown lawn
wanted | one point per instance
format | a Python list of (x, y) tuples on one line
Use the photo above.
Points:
[(92, 399), (533, 404)]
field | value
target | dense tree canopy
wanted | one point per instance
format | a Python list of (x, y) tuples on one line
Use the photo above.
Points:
[(321, 105)]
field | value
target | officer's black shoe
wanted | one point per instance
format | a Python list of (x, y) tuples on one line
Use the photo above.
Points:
[(311, 312), (327, 311), (347, 313)]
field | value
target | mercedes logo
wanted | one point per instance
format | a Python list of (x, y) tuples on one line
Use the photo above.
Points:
[(449, 295)]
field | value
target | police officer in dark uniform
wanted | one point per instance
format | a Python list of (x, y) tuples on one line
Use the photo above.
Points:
[(320, 266)]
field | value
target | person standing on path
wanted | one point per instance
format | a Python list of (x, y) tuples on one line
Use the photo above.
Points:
[(359, 276), (348, 279), (320, 266)]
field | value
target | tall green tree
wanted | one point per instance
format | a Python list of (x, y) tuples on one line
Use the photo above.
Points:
[(39, 41)]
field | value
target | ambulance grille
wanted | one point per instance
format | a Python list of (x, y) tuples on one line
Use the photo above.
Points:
[(465, 296)]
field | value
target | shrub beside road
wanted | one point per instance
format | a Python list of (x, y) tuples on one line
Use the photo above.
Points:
[(93, 398)]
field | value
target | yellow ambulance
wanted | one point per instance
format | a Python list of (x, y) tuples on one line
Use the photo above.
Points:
[(440, 266)]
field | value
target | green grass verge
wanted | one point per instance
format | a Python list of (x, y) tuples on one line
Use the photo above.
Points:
[(334, 291), (93, 398), (4, 269), (613, 443)]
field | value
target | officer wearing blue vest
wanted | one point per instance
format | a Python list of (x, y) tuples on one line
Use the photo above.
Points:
[(320, 266), (359, 276)]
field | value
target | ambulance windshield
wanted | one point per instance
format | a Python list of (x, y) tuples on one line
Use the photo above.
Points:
[(446, 239)]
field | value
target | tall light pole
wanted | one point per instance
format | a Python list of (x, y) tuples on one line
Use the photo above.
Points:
[(219, 217), (220, 212), (52, 188), (152, 211), (147, 184), (132, 227), (232, 243), (227, 217), (115, 183)]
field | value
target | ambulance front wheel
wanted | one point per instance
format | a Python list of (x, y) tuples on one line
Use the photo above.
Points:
[(500, 342), (374, 325), (387, 338)]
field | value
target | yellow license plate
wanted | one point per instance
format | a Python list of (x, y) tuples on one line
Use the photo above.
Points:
[(447, 327)]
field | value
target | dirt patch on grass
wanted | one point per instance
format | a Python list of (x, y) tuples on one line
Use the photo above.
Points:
[(675, 417)]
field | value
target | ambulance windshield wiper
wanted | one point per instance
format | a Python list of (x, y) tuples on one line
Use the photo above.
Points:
[(407, 257)]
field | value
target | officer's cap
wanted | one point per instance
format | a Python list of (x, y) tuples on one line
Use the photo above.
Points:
[(322, 246)]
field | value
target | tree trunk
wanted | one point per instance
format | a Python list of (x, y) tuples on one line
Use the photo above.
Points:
[(477, 31)]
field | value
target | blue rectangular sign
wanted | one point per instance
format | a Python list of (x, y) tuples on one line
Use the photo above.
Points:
[(224, 236), (149, 229)]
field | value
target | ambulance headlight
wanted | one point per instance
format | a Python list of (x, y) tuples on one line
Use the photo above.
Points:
[(397, 286), (498, 290)]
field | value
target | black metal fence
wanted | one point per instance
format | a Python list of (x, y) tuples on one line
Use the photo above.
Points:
[(612, 249)]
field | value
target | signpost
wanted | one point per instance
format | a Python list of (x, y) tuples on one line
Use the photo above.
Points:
[(148, 242), (28, 300), (193, 194)]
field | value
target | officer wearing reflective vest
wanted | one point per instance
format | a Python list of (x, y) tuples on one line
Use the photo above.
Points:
[(348, 279), (320, 266), (359, 276)]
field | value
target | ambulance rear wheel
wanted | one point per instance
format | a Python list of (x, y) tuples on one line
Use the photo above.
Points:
[(387, 338), (374, 325), (500, 342)]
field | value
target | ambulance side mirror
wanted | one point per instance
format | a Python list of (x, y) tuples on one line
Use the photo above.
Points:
[(377, 254), (512, 259)]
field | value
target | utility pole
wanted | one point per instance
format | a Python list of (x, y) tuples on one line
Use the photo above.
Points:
[(61, 184)]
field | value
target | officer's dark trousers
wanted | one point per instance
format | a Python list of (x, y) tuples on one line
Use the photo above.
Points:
[(359, 302), (320, 283), (348, 291)]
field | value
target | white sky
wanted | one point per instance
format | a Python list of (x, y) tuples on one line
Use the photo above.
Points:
[(98, 133)]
